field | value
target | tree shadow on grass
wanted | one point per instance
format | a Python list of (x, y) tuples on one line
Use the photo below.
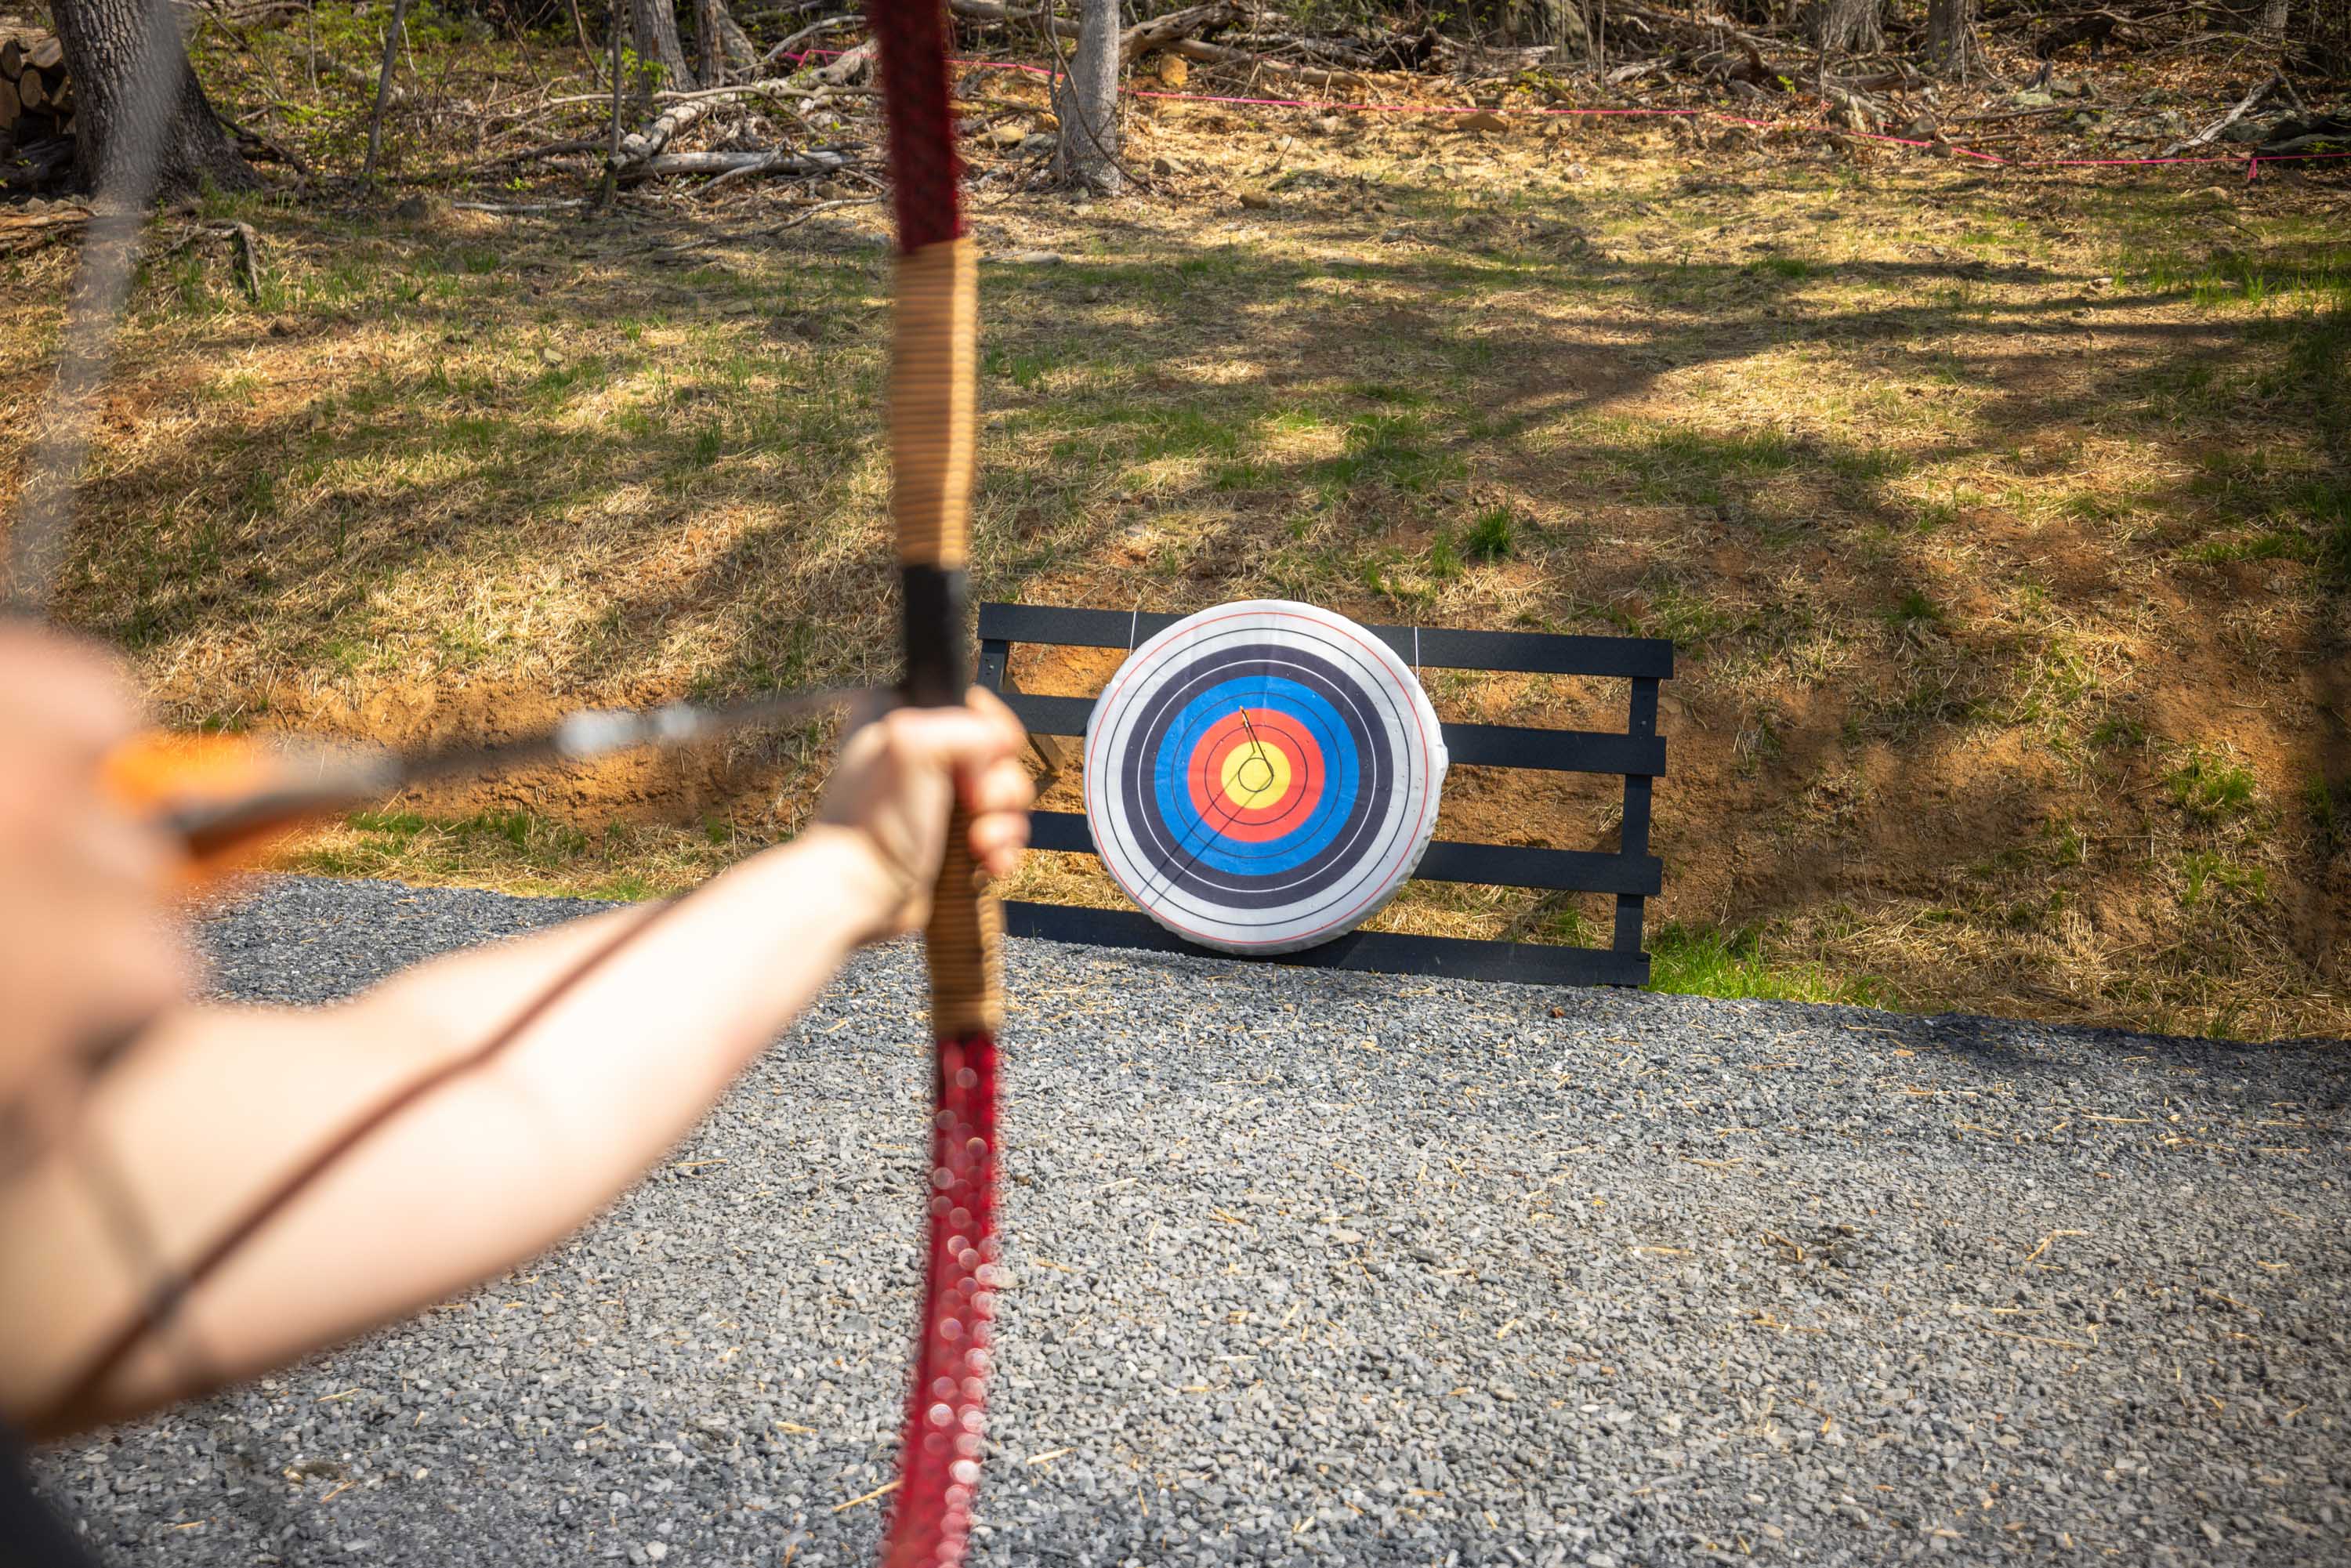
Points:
[(681, 485)]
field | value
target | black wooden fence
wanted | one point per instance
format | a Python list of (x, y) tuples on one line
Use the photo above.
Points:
[(1631, 873)]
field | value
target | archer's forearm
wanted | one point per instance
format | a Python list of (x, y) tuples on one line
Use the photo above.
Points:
[(483, 1172)]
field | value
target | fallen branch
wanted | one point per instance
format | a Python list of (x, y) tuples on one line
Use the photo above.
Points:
[(522, 209), (1330, 51), (764, 165), (730, 162), (1159, 33), (245, 250), (766, 86), (21, 232), (2226, 120), (2011, 114), (1706, 29), (638, 146), (258, 147), (1217, 54), (849, 66), (810, 31), (997, 10), (694, 104), (248, 247), (2320, 139), (245, 16), (1174, 29)]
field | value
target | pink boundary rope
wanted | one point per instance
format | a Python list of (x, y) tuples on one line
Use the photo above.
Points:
[(2251, 162)]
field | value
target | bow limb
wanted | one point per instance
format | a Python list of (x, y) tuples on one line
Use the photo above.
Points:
[(934, 373)]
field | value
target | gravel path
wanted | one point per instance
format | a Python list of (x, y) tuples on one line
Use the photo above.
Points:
[(1311, 1269)]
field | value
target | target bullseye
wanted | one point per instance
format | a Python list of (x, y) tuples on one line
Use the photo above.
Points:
[(1262, 777)]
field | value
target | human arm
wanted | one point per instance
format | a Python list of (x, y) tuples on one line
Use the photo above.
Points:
[(216, 1105)]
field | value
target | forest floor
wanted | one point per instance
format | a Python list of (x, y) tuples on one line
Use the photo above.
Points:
[(2002, 520)]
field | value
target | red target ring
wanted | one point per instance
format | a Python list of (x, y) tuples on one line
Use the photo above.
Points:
[(1256, 743)]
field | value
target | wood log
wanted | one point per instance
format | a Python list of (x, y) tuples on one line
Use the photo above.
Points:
[(686, 108), (247, 250), (849, 66), (643, 144), (45, 162), (21, 232), (776, 163), (31, 94), (1216, 54), (2301, 142), (2226, 120), (12, 59), (47, 54), (10, 109), (997, 10), (1160, 32), (1134, 42)]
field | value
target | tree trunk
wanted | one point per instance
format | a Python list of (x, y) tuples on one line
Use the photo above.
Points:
[(1947, 30), (718, 44), (383, 87), (734, 44), (655, 22), (2322, 30), (707, 57), (105, 48), (1846, 28), (1562, 24), (2273, 20), (1086, 102)]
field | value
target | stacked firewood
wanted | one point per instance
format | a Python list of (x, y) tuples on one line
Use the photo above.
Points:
[(36, 99)]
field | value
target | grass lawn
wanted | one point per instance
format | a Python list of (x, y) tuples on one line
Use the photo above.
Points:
[(2003, 522)]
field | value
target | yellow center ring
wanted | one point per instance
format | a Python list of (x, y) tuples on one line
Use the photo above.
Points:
[(1255, 776)]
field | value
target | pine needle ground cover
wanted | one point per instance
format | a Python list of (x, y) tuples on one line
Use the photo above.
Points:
[(2004, 523)]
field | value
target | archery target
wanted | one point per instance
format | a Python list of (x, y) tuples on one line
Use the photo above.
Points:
[(1262, 777)]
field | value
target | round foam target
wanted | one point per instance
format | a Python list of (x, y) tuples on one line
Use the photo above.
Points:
[(1262, 777)]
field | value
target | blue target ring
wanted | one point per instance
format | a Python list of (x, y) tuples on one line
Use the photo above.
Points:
[(1214, 709)]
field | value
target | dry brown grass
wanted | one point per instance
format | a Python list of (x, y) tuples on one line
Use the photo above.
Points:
[(1981, 507)]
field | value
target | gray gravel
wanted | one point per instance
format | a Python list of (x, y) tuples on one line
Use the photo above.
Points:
[(1340, 1269)]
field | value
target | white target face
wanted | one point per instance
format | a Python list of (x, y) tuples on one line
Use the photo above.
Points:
[(1262, 777)]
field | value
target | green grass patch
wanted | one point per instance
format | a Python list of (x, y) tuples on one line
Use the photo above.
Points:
[(1690, 467), (2210, 787), (1914, 609), (1391, 449), (2118, 732), (1490, 538), (2232, 278), (2329, 806), (1686, 618), (2205, 874), (1696, 961)]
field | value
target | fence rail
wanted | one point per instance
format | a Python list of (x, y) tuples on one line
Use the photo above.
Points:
[(1630, 874)]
